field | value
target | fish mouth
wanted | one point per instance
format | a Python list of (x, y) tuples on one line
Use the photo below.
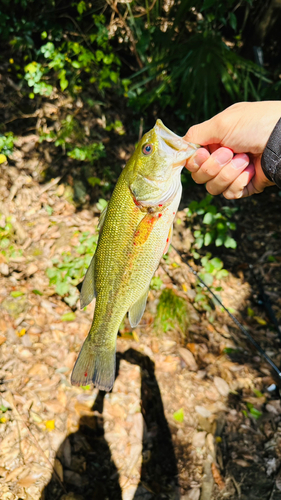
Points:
[(173, 145)]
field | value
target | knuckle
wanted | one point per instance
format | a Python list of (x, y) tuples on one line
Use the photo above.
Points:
[(211, 189), (224, 176)]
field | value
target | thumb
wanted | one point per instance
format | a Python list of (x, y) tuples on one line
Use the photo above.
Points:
[(204, 133)]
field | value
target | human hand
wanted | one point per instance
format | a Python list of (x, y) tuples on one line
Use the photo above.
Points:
[(234, 140)]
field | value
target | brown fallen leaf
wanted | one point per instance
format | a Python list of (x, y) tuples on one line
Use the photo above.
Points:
[(58, 468), (2, 339), (27, 481), (222, 386), (217, 477), (14, 473), (188, 358)]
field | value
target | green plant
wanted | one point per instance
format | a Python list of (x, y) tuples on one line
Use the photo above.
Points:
[(156, 283), (67, 273), (185, 61), (72, 64), (212, 269), (211, 226), (171, 312), (6, 145), (71, 139)]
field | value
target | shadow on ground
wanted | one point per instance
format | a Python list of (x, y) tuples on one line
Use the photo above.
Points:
[(87, 452)]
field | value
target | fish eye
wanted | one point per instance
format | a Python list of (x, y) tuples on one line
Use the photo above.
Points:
[(147, 149)]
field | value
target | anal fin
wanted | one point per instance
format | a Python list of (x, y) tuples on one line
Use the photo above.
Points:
[(88, 286), (168, 242), (102, 218), (137, 309)]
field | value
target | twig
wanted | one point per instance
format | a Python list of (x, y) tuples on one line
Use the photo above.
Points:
[(128, 30), (50, 185), (79, 29), (272, 492), (146, 10), (9, 397), (33, 115), (236, 486)]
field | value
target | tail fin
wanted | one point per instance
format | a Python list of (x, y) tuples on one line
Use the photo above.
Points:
[(95, 365)]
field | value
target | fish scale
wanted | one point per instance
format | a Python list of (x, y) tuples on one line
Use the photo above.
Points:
[(134, 233)]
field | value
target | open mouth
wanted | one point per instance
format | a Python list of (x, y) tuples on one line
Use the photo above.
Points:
[(173, 145)]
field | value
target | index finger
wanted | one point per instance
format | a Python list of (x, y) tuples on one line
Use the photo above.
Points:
[(195, 161)]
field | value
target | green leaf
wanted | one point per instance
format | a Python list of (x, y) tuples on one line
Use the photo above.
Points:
[(217, 263), (156, 283), (255, 413), (233, 21), (179, 415), (93, 181), (70, 316), (199, 297), (258, 393), (76, 64), (62, 288), (37, 292), (250, 312), (49, 209), (207, 278), (3, 408), (81, 7), (221, 274), (101, 204), (208, 239), (220, 240), (16, 293), (199, 242), (230, 242), (208, 218)]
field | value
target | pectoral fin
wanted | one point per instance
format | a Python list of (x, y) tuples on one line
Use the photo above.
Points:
[(144, 229), (168, 242), (137, 309), (88, 286)]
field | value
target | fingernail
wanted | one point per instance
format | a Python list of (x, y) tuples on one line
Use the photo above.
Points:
[(240, 161), (200, 157), (222, 156)]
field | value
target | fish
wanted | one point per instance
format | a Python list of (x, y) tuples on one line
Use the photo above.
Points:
[(135, 231)]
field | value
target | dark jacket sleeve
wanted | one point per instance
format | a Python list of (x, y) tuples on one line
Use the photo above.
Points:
[(271, 158)]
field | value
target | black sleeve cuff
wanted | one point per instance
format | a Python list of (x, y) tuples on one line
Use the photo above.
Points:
[(271, 158)]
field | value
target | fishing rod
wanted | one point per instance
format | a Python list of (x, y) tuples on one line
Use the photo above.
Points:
[(234, 319)]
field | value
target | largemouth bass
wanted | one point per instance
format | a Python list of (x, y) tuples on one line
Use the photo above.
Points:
[(135, 232)]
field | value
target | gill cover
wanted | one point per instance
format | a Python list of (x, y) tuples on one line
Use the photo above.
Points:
[(156, 166)]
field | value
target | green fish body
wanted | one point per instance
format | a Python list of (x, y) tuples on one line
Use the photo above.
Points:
[(135, 232)]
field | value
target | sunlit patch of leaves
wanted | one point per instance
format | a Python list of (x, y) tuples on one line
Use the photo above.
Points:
[(74, 64), (7, 143), (68, 272), (211, 226), (71, 139)]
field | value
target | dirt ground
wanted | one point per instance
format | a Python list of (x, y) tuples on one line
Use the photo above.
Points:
[(189, 417)]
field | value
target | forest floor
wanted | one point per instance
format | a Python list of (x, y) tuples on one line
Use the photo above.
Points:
[(190, 416)]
